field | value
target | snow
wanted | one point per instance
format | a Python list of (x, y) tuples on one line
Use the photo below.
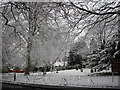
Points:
[(72, 72), (66, 77)]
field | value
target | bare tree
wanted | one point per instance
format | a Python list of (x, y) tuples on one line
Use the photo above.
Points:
[(98, 19), (29, 21)]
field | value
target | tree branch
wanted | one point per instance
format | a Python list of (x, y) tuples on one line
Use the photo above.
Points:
[(92, 12)]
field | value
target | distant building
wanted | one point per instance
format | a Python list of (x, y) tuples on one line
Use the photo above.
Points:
[(60, 63)]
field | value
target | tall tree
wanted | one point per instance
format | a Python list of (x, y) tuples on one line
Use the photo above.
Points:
[(29, 20), (99, 20), (26, 20), (34, 21)]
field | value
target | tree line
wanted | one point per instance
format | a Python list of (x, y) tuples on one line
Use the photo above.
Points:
[(28, 27)]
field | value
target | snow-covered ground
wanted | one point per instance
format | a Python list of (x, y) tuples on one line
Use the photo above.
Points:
[(66, 77)]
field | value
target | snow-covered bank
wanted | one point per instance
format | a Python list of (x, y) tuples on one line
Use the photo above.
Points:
[(67, 77)]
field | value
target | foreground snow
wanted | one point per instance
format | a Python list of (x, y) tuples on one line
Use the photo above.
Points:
[(67, 77)]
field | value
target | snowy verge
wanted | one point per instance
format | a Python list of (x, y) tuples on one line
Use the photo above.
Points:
[(73, 78)]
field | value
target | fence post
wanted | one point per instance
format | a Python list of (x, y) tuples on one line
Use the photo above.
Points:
[(118, 81), (14, 77), (112, 76)]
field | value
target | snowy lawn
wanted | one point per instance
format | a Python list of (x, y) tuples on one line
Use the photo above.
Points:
[(66, 77)]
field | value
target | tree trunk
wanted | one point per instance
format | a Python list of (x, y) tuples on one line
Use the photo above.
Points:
[(28, 64), (29, 45), (118, 46)]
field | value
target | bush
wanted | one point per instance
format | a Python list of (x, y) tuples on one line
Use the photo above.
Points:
[(5, 69), (17, 68)]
